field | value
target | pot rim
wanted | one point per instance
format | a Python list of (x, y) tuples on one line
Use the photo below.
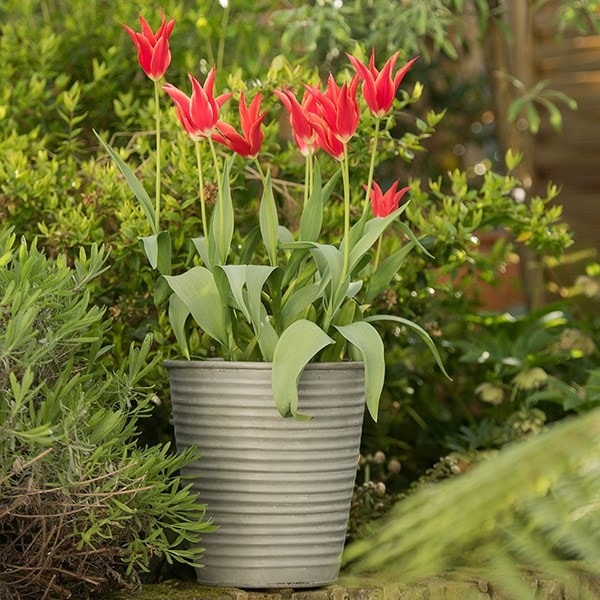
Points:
[(221, 363)]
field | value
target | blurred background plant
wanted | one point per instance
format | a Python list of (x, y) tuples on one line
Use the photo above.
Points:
[(513, 310)]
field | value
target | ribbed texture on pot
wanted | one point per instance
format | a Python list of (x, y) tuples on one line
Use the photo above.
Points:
[(279, 489)]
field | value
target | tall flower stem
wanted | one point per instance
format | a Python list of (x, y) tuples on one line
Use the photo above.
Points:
[(158, 169), (308, 175), (346, 182), (215, 158), (378, 252), (201, 187), (372, 164), (260, 171)]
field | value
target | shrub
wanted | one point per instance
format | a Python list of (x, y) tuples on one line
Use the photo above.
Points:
[(82, 508)]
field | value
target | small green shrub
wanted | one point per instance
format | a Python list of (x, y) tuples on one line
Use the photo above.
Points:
[(82, 508)]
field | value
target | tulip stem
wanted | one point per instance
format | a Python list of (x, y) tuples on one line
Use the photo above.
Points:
[(219, 189), (201, 186), (308, 175), (372, 165), (157, 183), (346, 181), (378, 252)]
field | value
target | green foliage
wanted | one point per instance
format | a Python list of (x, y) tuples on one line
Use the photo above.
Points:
[(83, 507)]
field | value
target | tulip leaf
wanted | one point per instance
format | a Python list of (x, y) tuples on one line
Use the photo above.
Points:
[(269, 223), (420, 331), (267, 336), (202, 249), (367, 340), (162, 291), (297, 345), (178, 316), (298, 302), (385, 272), (249, 246), (198, 290), (157, 248), (413, 238), (246, 283), (312, 213), (222, 224), (134, 184), (372, 231)]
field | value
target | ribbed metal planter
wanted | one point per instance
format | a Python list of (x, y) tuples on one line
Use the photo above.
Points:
[(279, 489)]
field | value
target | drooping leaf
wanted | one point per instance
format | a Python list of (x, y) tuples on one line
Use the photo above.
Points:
[(297, 345), (420, 331), (367, 340)]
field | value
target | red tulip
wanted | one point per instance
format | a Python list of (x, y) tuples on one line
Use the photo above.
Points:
[(200, 112), (338, 107), (248, 144), (327, 138), (154, 55), (302, 129), (384, 204), (379, 87)]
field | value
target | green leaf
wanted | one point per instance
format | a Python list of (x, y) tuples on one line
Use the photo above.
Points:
[(157, 248), (251, 278), (385, 272), (197, 289), (422, 333), (267, 336), (297, 345), (134, 184), (534, 118), (202, 249), (222, 222), (367, 340), (178, 316), (269, 223), (246, 283), (312, 214), (298, 302), (372, 231)]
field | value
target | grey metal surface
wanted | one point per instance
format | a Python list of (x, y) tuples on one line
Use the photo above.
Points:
[(279, 489)]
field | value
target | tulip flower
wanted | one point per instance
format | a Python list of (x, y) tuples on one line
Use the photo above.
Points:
[(154, 55), (199, 112), (302, 130), (338, 107), (248, 144), (379, 87), (327, 138), (384, 204)]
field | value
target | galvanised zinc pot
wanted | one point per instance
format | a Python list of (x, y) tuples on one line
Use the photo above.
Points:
[(279, 489)]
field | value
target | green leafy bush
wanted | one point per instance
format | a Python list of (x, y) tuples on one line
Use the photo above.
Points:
[(82, 507)]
